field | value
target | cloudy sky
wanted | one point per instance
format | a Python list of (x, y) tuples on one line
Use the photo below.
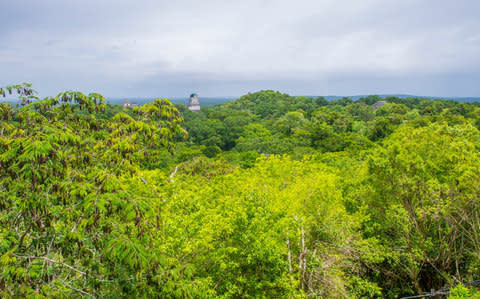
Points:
[(227, 48)]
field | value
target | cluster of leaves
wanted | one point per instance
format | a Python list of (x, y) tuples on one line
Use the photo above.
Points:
[(24, 91), (462, 292)]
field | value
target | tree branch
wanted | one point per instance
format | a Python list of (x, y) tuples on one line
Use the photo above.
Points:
[(52, 261), (173, 173), (78, 290)]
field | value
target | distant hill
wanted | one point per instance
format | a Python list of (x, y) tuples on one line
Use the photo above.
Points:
[(356, 97), (210, 101)]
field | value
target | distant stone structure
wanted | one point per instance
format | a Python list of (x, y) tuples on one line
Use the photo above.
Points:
[(378, 105), (194, 105), (126, 104)]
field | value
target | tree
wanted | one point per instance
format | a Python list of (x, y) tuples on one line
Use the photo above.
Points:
[(76, 217), (424, 205)]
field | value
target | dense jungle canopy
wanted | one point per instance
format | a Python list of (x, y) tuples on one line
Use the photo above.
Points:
[(266, 196)]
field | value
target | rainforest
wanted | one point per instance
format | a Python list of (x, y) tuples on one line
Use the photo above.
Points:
[(265, 196)]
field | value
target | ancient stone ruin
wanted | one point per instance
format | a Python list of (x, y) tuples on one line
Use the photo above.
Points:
[(193, 104)]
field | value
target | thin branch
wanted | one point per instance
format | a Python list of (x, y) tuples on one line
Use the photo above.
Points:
[(76, 224), (173, 173), (52, 261), (290, 270), (78, 290)]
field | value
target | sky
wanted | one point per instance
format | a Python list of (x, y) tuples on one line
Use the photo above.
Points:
[(147, 48)]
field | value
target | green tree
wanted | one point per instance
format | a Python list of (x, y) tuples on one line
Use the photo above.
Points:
[(76, 217), (424, 205)]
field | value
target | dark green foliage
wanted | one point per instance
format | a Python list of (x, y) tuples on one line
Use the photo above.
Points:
[(211, 151)]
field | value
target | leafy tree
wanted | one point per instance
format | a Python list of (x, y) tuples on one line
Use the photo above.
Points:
[(76, 217), (369, 100), (425, 203), (211, 151)]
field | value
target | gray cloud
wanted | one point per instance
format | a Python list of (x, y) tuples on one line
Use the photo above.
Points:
[(171, 48)]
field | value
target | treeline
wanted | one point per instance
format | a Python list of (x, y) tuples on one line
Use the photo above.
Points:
[(269, 196), (269, 122)]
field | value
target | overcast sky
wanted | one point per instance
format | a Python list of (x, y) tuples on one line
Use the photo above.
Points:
[(227, 48)]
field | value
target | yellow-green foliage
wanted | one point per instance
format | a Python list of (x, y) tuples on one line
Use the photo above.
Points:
[(462, 292), (268, 231), (75, 215)]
